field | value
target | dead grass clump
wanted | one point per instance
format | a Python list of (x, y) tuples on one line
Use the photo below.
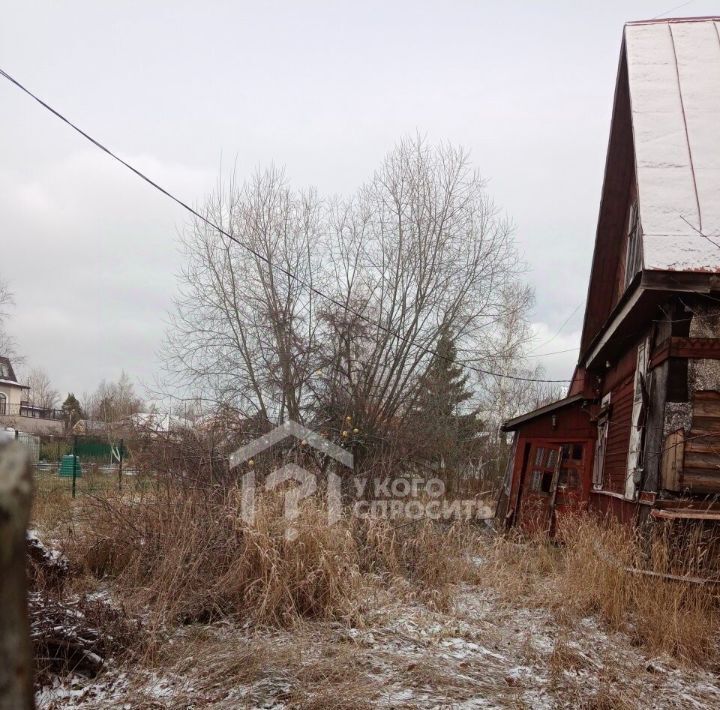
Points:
[(187, 555), (52, 506), (517, 566), (608, 569), (191, 558), (427, 557)]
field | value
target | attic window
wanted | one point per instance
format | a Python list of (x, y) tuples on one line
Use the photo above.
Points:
[(4, 373), (634, 248)]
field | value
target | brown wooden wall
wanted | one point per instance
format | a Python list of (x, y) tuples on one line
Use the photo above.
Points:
[(570, 422), (619, 381)]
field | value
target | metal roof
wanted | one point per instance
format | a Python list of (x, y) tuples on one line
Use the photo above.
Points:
[(674, 80)]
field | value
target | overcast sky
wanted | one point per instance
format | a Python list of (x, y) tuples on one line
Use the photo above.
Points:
[(324, 88)]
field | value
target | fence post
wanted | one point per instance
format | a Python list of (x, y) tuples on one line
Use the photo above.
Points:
[(74, 455), (16, 663), (120, 463)]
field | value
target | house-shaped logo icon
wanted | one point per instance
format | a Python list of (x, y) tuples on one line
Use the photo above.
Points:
[(290, 428), (307, 482)]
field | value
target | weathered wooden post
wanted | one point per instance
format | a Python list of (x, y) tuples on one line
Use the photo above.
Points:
[(120, 464), (16, 662), (74, 471)]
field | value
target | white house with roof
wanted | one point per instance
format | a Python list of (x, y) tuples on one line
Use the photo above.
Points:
[(17, 412), (12, 393)]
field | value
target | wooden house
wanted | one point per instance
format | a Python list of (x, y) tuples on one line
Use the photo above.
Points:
[(639, 433)]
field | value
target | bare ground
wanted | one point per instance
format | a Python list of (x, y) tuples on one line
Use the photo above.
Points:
[(484, 653)]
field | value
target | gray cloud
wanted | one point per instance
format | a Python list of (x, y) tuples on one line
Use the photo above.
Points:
[(324, 88)]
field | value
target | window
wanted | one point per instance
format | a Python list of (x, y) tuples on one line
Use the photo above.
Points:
[(4, 372), (3, 403), (539, 456), (536, 479), (600, 445), (634, 248), (568, 478), (634, 459)]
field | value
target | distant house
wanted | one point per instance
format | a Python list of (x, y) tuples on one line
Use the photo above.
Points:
[(12, 393), (19, 413), (638, 435)]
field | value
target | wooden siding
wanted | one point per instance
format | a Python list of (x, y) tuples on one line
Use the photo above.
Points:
[(701, 455), (618, 437), (619, 170)]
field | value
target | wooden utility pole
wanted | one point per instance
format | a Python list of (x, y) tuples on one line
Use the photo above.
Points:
[(16, 662)]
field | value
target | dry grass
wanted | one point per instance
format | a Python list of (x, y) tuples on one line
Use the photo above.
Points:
[(282, 611), (680, 618), (189, 556), (594, 571), (425, 558)]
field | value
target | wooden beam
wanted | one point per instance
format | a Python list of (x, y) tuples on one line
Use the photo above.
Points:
[(694, 348), (16, 662), (685, 514)]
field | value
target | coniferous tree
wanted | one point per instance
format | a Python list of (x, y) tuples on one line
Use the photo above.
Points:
[(445, 430), (72, 410)]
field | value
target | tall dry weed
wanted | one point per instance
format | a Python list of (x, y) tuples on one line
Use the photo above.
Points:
[(630, 580), (189, 556), (638, 583)]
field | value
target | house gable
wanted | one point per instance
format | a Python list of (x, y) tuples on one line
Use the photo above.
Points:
[(662, 175), (603, 289)]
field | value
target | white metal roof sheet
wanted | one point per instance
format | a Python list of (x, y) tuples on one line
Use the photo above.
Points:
[(674, 80)]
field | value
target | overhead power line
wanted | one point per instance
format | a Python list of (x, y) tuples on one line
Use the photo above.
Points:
[(554, 352), (257, 255), (559, 330)]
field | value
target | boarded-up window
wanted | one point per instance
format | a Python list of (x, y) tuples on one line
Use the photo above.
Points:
[(601, 443), (637, 421), (634, 254)]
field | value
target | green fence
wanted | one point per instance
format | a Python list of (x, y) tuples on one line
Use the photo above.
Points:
[(87, 463)]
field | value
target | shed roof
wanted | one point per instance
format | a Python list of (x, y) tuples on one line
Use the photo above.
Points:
[(512, 424), (673, 70)]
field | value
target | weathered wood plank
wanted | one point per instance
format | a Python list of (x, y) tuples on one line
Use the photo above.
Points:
[(672, 460), (708, 461), (700, 480), (16, 687)]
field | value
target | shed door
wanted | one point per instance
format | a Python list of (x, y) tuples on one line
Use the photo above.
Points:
[(553, 482)]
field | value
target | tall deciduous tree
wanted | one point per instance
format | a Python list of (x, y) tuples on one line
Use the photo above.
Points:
[(417, 252), (42, 393), (114, 401), (6, 300)]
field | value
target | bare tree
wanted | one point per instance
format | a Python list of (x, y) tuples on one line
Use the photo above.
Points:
[(420, 252), (7, 345), (42, 393), (244, 329), (417, 254), (113, 402)]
